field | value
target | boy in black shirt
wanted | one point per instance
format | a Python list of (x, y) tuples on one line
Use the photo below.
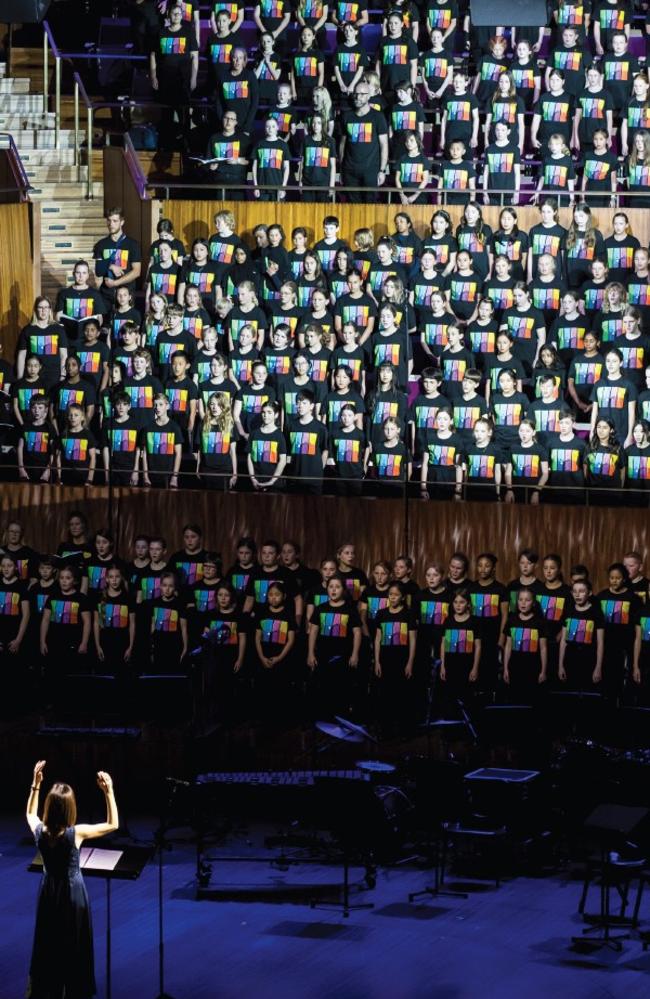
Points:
[(307, 447)]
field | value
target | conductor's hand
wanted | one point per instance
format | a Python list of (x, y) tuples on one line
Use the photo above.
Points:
[(105, 782), (37, 779)]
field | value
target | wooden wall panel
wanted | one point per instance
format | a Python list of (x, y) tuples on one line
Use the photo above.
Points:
[(16, 272), (140, 215), (195, 218), (596, 536)]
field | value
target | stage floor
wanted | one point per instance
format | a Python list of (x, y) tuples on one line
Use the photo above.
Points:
[(510, 942)]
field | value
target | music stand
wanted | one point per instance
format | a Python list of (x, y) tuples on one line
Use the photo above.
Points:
[(611, 823), (111, 865)]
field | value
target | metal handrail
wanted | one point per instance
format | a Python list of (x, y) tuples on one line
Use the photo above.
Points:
[(49, 44), (17, 168), (133, 163), (80, 92)]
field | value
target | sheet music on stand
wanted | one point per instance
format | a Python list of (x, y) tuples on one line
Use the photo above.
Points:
[(95, 859)]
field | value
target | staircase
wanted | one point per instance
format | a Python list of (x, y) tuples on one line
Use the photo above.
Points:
[(70, 223)]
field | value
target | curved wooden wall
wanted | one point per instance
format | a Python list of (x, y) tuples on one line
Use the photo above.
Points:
[(596, 536), (195, 218), (16, 273)]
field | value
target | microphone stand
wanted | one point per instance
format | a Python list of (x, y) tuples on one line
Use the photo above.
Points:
[(161, 844)]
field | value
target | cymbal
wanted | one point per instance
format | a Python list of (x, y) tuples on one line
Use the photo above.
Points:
[(359, 729), (338, 732)]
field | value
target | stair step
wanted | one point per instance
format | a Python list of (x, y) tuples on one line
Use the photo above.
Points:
[(25, 56), (54, 173), (33, 158), (53, 245), (73, 228), (43, 139), (30, 119), (62, 266), (83, 211), (14, 85), (68, 191), (20, 102)]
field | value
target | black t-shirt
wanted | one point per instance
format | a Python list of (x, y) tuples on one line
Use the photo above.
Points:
[(167, 344), (95, 570), (121, 439), (181, 393), (508, 412), (335, 631), (276, 627), (46, 344), (166, 617), (526, 636), (554, 604), (580, 633), (390, 463), (395, 55), (92, 358), (38, 444), (75, 448), (229, 147), (515, 585), (362, 149), (214, 446), (224, 628), (122, 252), (78, 305), (68, 394), (619, 611), (174, 48), (422, 414), (501, 162), (556, 113), (305, 445), (566, 461), (261, 579), (347, 449), (557, 172), (11, 597), (523, 326), (459, 111), (141, 392), (619, 255), (355, 581), (612, 396), (317, 158), (526, 463), (619, 72), (204, 276), (270, 155), (443, 454), (148, 582), (459, 640), (265, 451), (66, 610), (159, 442), (114, 612), (348, 59), (252, 399), (636, 352), (585, 372), (393, 628), (486, 604)]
